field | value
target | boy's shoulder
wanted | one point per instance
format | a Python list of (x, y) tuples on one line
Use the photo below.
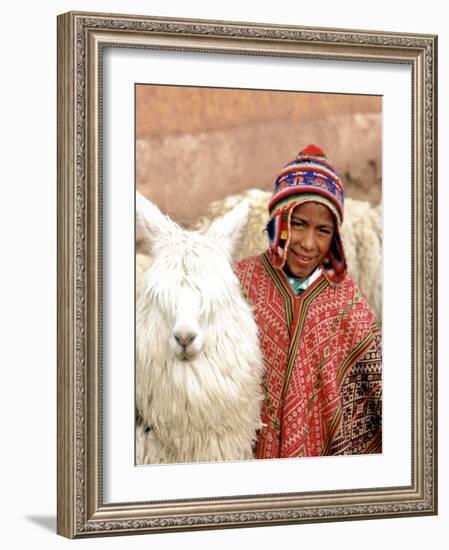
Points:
[(248, 262), (356, 301), (349, 288)]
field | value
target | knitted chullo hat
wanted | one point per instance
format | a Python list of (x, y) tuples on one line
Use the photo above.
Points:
[(308, 178)]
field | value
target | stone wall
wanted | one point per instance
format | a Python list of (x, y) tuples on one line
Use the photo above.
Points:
[(197, 145)]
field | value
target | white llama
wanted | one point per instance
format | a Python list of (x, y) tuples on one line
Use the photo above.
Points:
[(199, 367)]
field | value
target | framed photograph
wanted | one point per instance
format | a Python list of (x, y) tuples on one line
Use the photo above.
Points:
[(195, 116)]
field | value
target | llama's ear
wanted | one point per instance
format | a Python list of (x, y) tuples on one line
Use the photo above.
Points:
[(229, 227), (153, 223)]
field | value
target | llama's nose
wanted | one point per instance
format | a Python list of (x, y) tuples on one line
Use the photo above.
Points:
[(184, 337)]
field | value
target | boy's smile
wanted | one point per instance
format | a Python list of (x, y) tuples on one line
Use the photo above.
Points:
[(311, 234)]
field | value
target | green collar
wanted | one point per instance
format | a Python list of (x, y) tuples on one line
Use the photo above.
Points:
[(298, 285)]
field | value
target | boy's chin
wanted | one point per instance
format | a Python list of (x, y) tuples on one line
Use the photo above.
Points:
[(299, 273)]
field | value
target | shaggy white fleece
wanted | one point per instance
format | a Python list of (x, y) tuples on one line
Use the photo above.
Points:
[(199, 367)]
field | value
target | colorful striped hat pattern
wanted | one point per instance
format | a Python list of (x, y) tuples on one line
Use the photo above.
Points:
[(308, 178)]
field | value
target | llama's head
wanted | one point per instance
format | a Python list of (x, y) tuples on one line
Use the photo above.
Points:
[(190, 280)]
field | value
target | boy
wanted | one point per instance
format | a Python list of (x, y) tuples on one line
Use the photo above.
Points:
[(319, 337)]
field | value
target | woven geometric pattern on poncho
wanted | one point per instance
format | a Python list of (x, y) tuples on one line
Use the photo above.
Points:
[(322, 355)]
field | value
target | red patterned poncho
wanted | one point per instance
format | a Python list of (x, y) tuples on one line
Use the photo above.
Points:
[(322, 355)]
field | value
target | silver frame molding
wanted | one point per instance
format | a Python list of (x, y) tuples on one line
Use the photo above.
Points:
[(81, 39)]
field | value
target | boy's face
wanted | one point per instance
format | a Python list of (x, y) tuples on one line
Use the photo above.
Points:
[(311, 233)]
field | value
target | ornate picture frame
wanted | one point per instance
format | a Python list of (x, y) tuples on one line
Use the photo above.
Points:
[(83, 39)]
